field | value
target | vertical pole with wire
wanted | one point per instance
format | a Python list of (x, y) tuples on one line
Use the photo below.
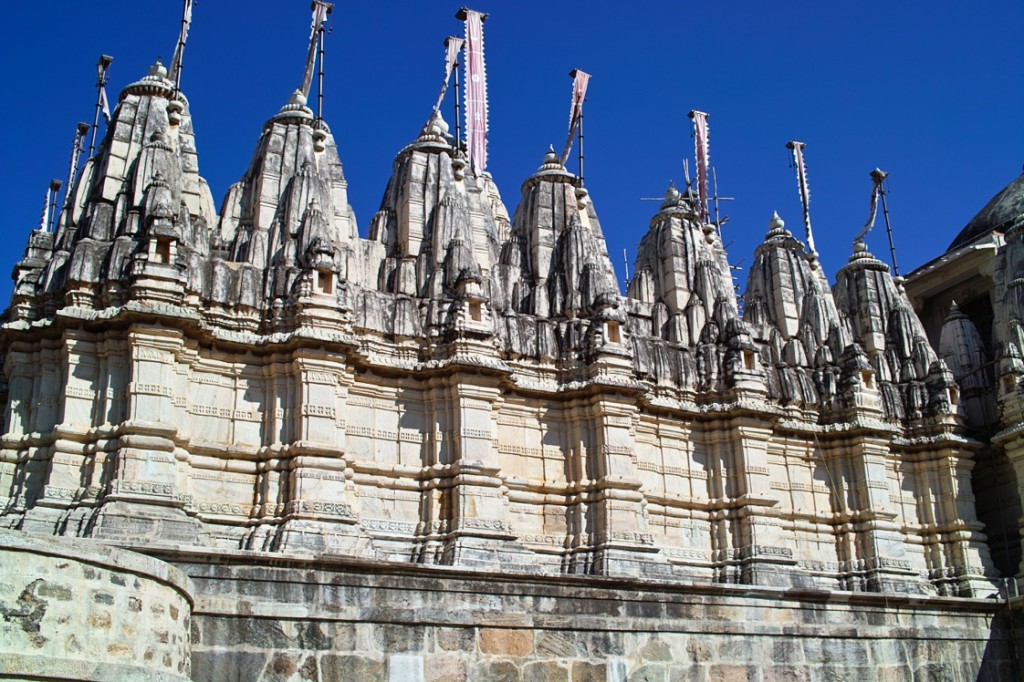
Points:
[(320, 79), (77, 147), (458, 118), (101, 82), (879, 177), (51, 211), (580, 138)]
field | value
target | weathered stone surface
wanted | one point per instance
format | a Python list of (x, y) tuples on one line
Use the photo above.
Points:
[(505, 642), (65, 611), (466, 389), (343, 668)]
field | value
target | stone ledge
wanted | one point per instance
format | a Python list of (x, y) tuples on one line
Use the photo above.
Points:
[(98, 553), (204, 563), (18, 666)]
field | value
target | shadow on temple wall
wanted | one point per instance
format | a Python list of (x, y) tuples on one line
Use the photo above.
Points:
[(1001, 659)]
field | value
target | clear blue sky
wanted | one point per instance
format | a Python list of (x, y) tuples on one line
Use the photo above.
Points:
[(929, 91)]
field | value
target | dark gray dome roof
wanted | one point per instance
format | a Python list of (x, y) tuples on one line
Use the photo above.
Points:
[(998, 213)]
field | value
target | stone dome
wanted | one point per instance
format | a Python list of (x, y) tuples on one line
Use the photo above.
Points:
[(997, 214)]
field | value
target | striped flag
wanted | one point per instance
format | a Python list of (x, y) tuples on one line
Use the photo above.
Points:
[(580, 80), (476, 92), (700, 143)]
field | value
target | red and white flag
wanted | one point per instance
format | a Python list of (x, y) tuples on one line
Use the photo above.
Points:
[(476, 92), (700, 143), (580, 80), (452, 46)]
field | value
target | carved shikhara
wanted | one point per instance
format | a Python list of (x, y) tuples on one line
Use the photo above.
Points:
[(465, 388)]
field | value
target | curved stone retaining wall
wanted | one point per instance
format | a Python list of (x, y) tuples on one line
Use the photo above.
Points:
[(80, 610), (320, 620)]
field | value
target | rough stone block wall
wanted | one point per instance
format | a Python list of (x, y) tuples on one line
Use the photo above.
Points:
[(80, 610), (325, 622)]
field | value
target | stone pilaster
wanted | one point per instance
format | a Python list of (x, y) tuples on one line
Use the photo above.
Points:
[(59, 506), (479, 530), (33, 387), (318, 511), (622, 540), (1011, 438), (879, 561), (761, 553), (967, 569), (143, 501)]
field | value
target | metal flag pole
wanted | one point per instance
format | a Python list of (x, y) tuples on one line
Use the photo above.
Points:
[(879, 177), (50, 208), (320, 11), (77, 147), (320, 77), (101, 82), (458, 117), (581, 144)]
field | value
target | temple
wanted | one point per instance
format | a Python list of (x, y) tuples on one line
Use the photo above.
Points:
[(260, 390)]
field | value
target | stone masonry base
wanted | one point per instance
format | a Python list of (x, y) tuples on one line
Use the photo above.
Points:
[(83, 610), (258, 618)]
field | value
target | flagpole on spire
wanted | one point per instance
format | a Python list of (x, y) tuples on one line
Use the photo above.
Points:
[(179, 50), (320, 11), (580, 80), (802, 186), (77, 147), (102, 105), (878, 177), (320, 77), (49, 206), (458, 110), (700, 142)]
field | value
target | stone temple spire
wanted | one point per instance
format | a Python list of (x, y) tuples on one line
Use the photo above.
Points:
[(554, 217), (883, 324), (102, 244), (428, 200), (296, 160)]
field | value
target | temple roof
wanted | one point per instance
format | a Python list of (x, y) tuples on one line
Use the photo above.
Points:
[(997, 214)]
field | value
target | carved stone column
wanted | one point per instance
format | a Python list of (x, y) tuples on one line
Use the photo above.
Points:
[(318, 511), (967, 569), (143, 501), (882, 563), (761, 551), (479, 531), (622, 540)]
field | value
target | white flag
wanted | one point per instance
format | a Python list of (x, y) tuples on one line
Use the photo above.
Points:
[(320, 11), (179, 49), (101, 78), (452, 46), (805, 191), (105, 105)]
